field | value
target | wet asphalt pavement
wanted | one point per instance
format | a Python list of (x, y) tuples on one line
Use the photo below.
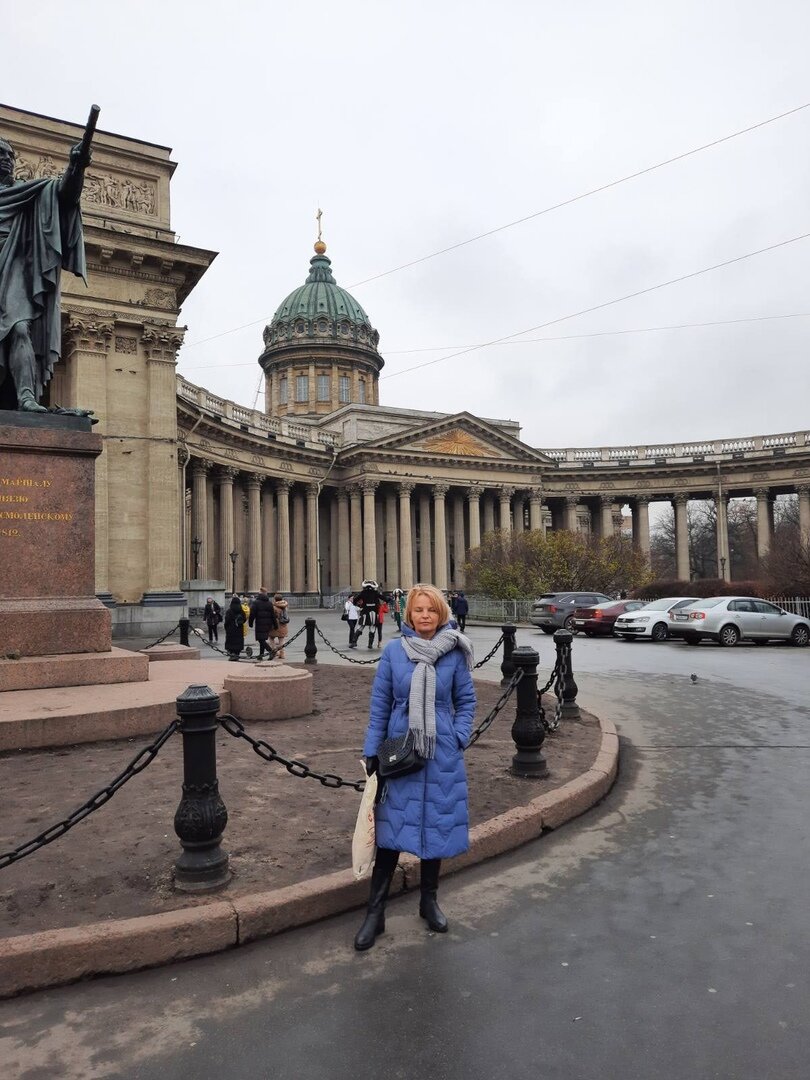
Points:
[(662, 935)]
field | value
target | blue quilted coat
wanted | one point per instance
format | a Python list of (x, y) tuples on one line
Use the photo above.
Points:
[(424, 813)]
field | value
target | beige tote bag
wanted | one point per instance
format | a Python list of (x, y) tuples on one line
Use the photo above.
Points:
[(364, 846)]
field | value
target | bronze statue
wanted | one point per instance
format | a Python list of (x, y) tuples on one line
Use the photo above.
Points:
[(40, 234)]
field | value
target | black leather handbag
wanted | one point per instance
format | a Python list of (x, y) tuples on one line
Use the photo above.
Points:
[(398, 757)]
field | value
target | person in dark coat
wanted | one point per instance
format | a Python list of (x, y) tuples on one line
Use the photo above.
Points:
[(234, 621), (212, 617), (368, 602), (264, 621), (423, 685), (461, 611)]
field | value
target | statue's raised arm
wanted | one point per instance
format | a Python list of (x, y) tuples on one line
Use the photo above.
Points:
[(72, 180)]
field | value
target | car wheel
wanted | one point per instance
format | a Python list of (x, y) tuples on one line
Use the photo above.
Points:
[(569, 624), (729, 636), (692, 639), (800, 635), (659, 632), (547, 629)]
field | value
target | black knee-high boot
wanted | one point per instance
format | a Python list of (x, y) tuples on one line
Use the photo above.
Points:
[(385, 864), (428, 888)]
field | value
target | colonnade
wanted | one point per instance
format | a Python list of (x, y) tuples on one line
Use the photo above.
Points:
[(250, 529)]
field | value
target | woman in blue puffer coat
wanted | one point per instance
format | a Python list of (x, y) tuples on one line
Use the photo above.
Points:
[(423, 685)]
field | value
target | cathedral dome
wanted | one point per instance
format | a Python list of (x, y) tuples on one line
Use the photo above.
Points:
[(320, 349)]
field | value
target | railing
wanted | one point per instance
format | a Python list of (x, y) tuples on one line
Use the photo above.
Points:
[(611, 455), (482, 607)]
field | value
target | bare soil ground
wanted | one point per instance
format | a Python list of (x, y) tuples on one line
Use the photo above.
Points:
[(281, 829)]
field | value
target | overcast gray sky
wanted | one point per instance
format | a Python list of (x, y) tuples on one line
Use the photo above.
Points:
[(417, 126)]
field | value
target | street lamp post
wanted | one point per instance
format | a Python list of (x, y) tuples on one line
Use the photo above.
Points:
[(196, 544), (320, 582), (233, 556), (723, 567)]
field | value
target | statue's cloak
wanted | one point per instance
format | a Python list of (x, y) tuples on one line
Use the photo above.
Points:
[(43, 238)]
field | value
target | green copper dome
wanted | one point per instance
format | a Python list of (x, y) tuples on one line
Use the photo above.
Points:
[(319, 309)]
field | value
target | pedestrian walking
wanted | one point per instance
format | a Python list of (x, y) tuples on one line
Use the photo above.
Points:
[(382, 611), (423, 687), (399, 607), (234, 634), (351, 615), (283, 619), (264, 621), (212, 617), (368, 601), (461, 611)]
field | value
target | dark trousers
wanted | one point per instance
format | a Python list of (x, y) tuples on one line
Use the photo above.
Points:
[(212, 632), (352, 624), (462, 622), (264, 647)]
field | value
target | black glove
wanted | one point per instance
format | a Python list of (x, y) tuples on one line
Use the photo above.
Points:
[(372, 765)]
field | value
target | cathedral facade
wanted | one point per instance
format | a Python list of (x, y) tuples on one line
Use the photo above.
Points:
[(325, 486)]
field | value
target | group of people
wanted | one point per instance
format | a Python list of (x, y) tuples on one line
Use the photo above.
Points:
[(269, 617)]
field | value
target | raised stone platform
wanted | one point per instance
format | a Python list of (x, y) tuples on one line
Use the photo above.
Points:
[(73, 669), (269, 691), (170, 651)]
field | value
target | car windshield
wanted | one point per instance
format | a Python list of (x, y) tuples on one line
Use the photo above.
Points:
[(657, 605), (712, 602)]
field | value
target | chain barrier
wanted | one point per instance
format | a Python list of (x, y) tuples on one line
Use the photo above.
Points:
[(490, 654), (143, 758), (496, 708), (162, 639), (274, 649), (559, 672), (551, 725), (351, 659), (235, 727)]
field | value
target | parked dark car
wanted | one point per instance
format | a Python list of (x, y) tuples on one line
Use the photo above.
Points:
[(553, 611), (601, 618)]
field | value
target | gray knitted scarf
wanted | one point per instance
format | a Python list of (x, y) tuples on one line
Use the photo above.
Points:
[(422, 701)]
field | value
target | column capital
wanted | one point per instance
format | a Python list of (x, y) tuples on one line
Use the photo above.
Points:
[(641, 500), (312, 491), (803, 489), (369, 486), (226, 474), (182, 455), (506, 491), (474, 491), (342, 495), (762, 492), (535, 494), (200, 466), (354, 491), (606, 500), (572, 500), (440, 490), (91, 331), (282, 483), (255, 480), (680, 498), (406, 488)]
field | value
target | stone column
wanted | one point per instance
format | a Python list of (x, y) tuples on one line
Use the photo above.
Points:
[(723, 554), (489, 513), (459, 548), (406, 578), (283, 515), (505, 496), (518, 515), (254, 532), (764, 521), (605, 515), (357, 537), (369, 531), (391, 547), (269, 529), (182, 460), (803, 491), (571, 506), (313, 554), (474, 494), (224, 479), (199, 511), (425, 540), (344, 544), (440, 568), (641, 525), (682, 566), (535, 509), (298, 542), (334, 533), (160, 345)]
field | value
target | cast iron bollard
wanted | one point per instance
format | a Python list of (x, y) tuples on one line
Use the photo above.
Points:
[(562, 642), (184, 628), (201, 816), (310, 649), (507, 667), (528, 732)]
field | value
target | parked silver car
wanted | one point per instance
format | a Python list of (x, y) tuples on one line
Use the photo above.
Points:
[(729, 619), (653, 620), (555, 610)]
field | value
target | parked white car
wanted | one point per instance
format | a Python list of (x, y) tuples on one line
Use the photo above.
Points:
[(653, 620), (729, 619)]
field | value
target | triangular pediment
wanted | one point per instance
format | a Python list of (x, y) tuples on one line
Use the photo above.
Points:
[(461, 435)]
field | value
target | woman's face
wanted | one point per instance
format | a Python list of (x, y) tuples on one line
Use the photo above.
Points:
[(425, 618)]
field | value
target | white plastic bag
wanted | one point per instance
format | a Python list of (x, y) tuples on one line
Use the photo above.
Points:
[(364, 846)]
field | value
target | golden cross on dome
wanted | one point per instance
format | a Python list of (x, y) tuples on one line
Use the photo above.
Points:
[(318, 217)]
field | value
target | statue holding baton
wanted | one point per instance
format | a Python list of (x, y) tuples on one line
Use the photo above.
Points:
[(40, 235)]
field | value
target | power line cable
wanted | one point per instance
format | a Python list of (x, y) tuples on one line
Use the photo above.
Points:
[(531, 217), (599, 307)]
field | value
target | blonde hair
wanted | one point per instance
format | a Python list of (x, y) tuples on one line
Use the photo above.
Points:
[(437, 602)]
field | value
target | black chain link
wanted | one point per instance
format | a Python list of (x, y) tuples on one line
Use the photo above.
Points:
[(143, 758), (161, 639), (274, 649), (235, 727), (496, 708), (351, 659), (490, 654)]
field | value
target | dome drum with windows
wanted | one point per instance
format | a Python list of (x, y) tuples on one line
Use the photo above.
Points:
[(320, 350)]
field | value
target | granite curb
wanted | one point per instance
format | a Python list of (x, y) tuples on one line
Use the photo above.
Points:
[(56, 957)]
